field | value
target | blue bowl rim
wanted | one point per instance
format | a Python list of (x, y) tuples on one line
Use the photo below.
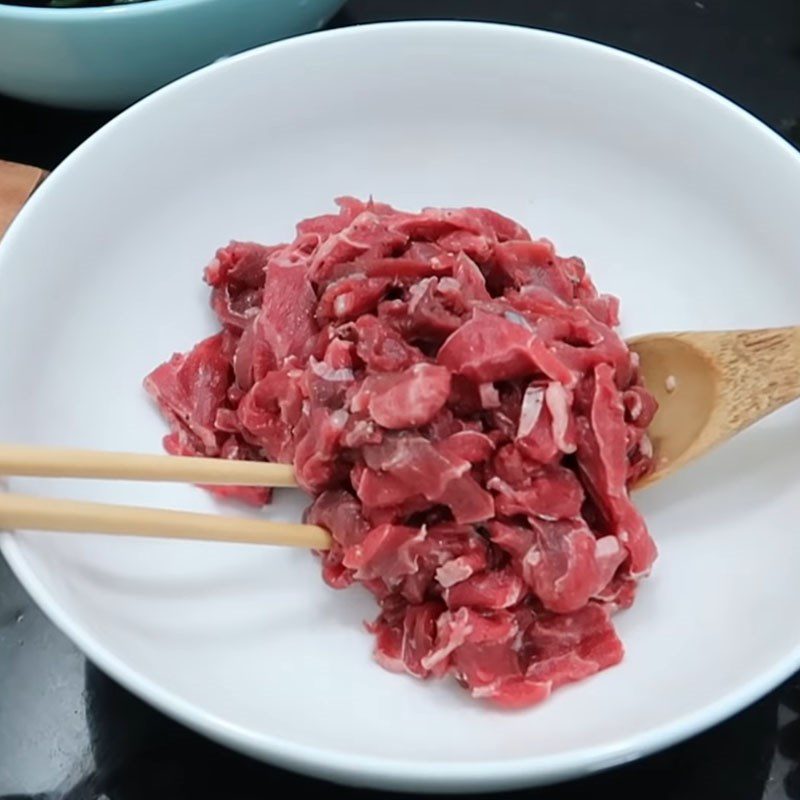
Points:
[(41, 14)]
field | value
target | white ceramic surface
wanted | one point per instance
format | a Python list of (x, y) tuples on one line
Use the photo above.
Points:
[(681, 203)]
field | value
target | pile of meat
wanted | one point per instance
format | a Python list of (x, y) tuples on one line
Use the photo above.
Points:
[(454, 396)]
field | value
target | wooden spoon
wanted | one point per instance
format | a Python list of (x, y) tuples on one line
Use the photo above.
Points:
[(711, 385)]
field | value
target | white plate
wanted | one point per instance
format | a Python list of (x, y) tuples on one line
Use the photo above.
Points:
[(680, 202)]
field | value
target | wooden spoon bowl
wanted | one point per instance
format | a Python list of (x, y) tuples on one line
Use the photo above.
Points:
[(711, 385)]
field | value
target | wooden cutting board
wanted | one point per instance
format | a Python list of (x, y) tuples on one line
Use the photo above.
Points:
[(17, 183)]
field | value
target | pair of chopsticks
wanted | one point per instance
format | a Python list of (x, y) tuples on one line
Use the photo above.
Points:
[(35, 513)]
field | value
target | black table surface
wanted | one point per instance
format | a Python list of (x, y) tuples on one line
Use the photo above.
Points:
[(69, 732)]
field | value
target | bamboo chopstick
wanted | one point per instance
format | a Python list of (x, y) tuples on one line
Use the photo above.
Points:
[(49, 462), (36, 513)]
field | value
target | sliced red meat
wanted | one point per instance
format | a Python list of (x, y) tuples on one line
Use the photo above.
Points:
[(519, 263), (366, 235), (326, 385), (286, 320), (566, 565), (454, 552), (340, 513), (381, 348), (240, 263), (431, 312), (570, 647), (457, 400), (488, 652), (489, 348), (387, 552), (349, 208), (191, 388), (416, 463), (553, 492), (493, 590), (475, 248), (349, 298), (602, 459), (640, 406), (467, 500), (269, 412), (565, 648), (316, 463), (467, 446), (433, 223), (252, 359), (404, 400)]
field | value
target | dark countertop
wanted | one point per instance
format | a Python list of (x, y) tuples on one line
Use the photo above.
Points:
[(68, 732)]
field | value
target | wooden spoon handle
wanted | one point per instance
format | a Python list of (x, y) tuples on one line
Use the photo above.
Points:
[(17, 183), (760, 371)]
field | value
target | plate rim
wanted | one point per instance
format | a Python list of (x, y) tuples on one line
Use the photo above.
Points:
[(373, 771)]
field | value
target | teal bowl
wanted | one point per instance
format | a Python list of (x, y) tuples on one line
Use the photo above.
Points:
[(109, 56)]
